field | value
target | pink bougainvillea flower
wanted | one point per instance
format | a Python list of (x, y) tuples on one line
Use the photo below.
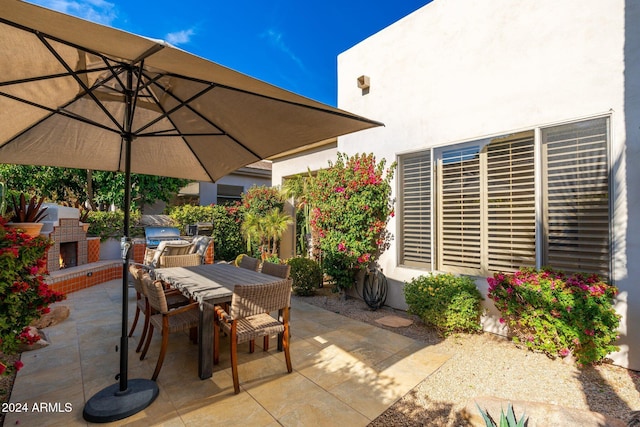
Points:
[(501, 320), (18, 365), (364, 258), (589, 332), (564, 352), (342, 247), (2, 368)]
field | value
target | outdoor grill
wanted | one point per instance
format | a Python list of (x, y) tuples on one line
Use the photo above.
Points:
[(200, 229), (155, 235)]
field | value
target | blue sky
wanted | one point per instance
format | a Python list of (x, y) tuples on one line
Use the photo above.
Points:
[(291, 44)]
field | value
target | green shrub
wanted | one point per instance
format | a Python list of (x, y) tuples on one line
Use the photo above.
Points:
[(106, 224), (449, 303), (556, 314), (306, 275), (190, 214), (226, 221)]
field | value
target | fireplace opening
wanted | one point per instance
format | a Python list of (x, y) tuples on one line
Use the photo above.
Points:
[(68, 254)]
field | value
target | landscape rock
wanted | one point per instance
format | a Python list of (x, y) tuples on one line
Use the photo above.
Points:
[(55, 316), (42, 342), (539, 414)]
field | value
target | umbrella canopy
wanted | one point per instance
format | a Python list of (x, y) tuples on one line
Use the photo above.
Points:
[(77, 94), (64, 88)]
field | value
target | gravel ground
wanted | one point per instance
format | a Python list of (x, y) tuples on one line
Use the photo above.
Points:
[(489, 365)]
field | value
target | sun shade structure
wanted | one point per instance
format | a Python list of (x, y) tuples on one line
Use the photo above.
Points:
[(81, 95)]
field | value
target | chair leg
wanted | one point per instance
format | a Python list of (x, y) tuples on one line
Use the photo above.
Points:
[(252, 346), (145, 329), (135, 321), (147, 315), (234, 364), (285, 347), (146, 345), (265, 343), (163, 350)]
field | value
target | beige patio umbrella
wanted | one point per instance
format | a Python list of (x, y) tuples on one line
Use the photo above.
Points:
[(80, 95)]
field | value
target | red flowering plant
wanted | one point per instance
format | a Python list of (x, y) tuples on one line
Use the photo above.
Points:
[(558, 314), (350, 207), (24, 296)]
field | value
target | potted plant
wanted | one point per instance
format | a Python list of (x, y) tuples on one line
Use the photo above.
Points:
[(27, 215)]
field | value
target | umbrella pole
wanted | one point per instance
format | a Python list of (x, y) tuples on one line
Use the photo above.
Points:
[(128, 397)]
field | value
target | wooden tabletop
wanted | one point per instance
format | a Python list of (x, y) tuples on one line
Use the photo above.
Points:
[(212, 283)]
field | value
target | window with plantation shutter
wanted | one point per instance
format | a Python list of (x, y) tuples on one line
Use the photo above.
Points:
[(415, 209), (459, 216), (576, 197), (487, 206), (511, 209)]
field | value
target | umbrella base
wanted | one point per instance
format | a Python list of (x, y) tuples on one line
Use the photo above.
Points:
[(110, 404)]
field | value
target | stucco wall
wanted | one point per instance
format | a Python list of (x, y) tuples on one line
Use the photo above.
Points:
[(458, 70)]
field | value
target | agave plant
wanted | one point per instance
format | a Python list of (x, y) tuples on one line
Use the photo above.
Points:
[(27, 212), (506, 420)]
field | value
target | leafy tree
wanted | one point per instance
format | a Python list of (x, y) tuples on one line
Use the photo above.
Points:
[(264, 221), (64, 184), (297, 188), (275, 224), (55, 184)]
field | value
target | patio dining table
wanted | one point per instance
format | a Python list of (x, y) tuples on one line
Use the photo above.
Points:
[(209, 284)]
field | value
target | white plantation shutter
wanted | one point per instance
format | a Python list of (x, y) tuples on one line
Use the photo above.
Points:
[(576, 197), (484, 203), (511, 215), (415, 206), (459, 218)]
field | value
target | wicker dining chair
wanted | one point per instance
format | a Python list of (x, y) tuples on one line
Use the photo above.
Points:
[(174, 299), (278, 270), (249, 319), (185, 318), (250, 263)]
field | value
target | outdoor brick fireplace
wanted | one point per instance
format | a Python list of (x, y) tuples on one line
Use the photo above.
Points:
[(69, 247), (79, 254)]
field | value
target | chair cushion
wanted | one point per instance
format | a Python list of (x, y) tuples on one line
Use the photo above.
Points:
[(254, 327), (199, 245), (179, 322), (170, 247)]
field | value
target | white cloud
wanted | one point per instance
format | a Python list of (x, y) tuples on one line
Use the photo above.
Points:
[(100, 11), (276, 39), (180, 37)]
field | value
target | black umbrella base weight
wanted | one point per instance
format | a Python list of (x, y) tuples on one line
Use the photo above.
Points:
[(110, 404)]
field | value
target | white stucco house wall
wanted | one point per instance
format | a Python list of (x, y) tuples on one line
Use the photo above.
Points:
[(516, 127)]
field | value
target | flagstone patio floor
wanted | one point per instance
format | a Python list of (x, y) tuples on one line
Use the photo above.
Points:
[(345, 372)]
